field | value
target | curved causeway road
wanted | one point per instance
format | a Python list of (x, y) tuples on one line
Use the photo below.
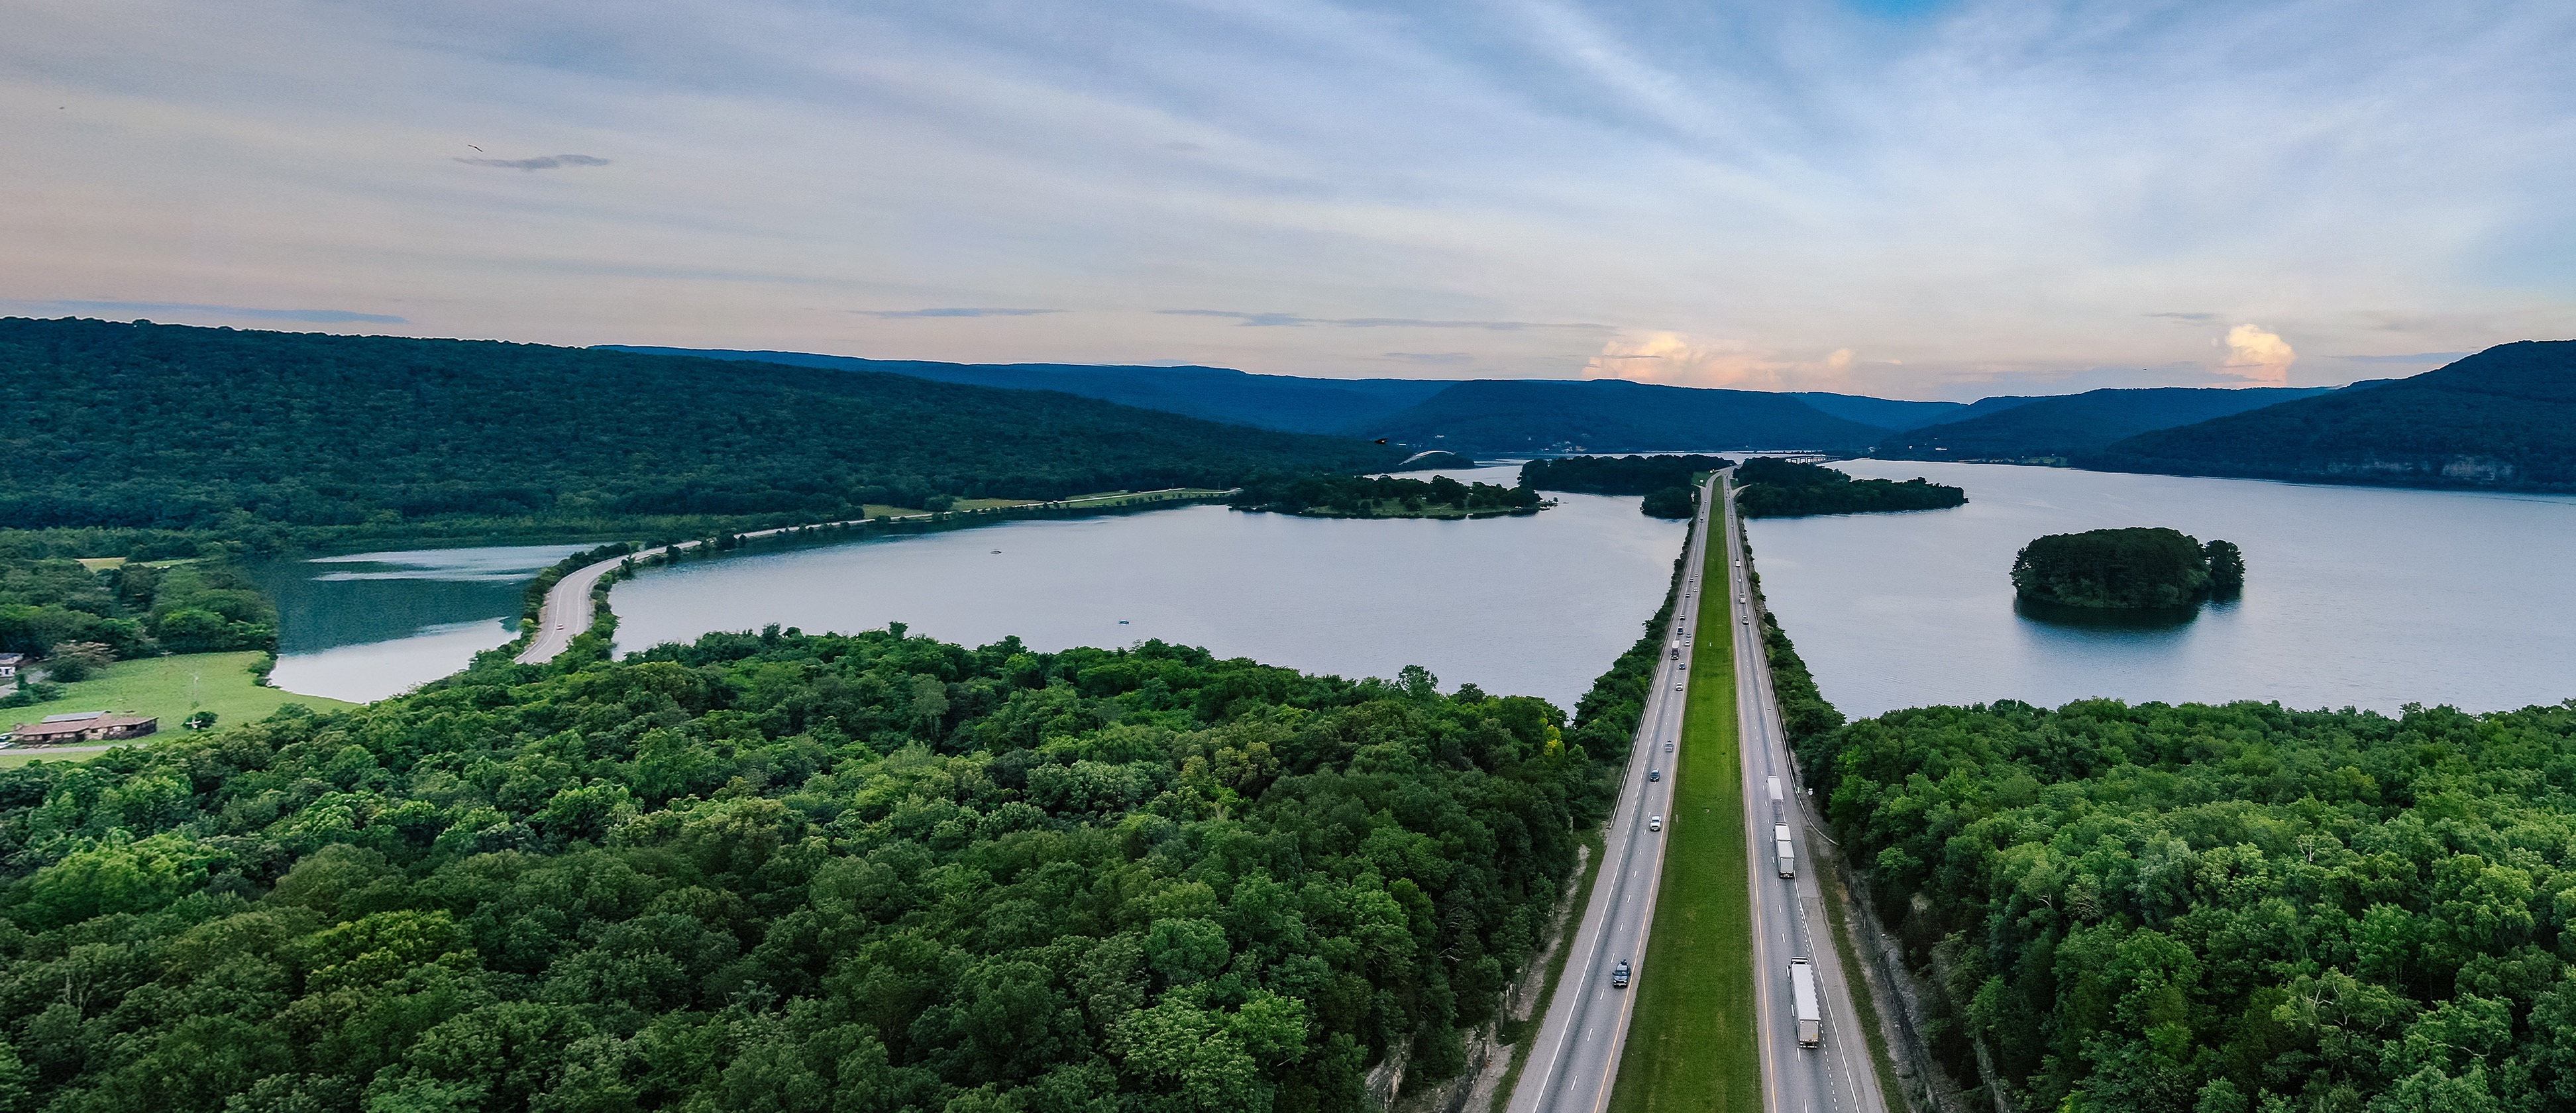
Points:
[(1788, 915), (1576, 1058)]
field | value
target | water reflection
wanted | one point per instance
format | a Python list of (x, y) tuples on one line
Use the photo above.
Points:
[(369, 625)]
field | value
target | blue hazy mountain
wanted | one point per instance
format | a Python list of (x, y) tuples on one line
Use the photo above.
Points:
[(2060, 428), (1283, 402)]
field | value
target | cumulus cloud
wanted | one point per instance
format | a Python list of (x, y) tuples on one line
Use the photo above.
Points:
[(959, 311), (2260, 358), (541, 162), (1675, 359)]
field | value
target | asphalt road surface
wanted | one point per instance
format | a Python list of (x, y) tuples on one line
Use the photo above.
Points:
[(1788, 915), (1576, 1058)]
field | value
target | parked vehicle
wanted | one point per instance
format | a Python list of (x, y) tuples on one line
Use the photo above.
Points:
[(1802, 996)]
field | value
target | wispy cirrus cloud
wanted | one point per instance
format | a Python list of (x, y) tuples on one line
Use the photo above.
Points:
[(1293, 320), (951, 311), (541, 162), (239, 312)]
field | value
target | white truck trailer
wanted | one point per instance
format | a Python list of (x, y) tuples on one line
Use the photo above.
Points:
[(1802, 995), (1787, 854)]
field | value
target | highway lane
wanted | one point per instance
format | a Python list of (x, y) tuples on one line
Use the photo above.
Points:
[(1576, 1058), (1788, 915)]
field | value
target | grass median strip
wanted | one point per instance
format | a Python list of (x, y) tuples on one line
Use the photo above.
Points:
[(1691, 1040)]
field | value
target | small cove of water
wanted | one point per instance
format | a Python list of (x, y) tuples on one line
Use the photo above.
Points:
[(1535, 605), (370, 625), (2355, 596)]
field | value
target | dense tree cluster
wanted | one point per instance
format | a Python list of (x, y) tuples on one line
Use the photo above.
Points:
[(1665, 481), (1776, 488), (136, 610), (1359, 496), (244, 431), (2140, 568), (779, 872), (2240, 909), (1618, 475)]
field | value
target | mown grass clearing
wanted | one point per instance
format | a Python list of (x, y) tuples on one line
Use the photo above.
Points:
[(169, 689)]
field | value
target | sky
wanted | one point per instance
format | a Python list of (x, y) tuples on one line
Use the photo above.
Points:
[(1938, 200)]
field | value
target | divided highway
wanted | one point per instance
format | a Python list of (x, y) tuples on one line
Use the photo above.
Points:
[(1576, 1058), (1788, 914)]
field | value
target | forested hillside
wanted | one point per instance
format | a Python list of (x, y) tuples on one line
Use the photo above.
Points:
[(1359, 496), (780, 872), (2056, 429), (1618, 475), (2505, 417), (1285, 402), (1500, 416), (165, 426), (2240, 909)]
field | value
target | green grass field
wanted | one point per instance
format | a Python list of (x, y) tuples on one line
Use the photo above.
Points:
[(1691, 1038), (169, 689)]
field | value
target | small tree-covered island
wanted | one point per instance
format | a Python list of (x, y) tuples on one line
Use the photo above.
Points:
[(1360, 496), (1665, 481), (2136, 569), (1776, 488)]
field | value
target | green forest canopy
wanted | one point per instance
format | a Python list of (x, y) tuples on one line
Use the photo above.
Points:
[(1777, 488), (1617, 475), (2239, 909), (1356, 496), (133, 611), (2138, 568), (194, 428), (769, 872)]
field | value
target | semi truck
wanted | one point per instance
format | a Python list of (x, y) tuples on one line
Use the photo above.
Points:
[(1780, 844), (1802, 995)]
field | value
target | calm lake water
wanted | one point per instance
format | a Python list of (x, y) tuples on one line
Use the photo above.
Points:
[(2354, 596), (1537, 605), (371, 625)]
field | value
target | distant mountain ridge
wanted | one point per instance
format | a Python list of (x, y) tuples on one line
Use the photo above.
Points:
[(2060, 428), (2505, 417), (1477, 415), (1285, 403)]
